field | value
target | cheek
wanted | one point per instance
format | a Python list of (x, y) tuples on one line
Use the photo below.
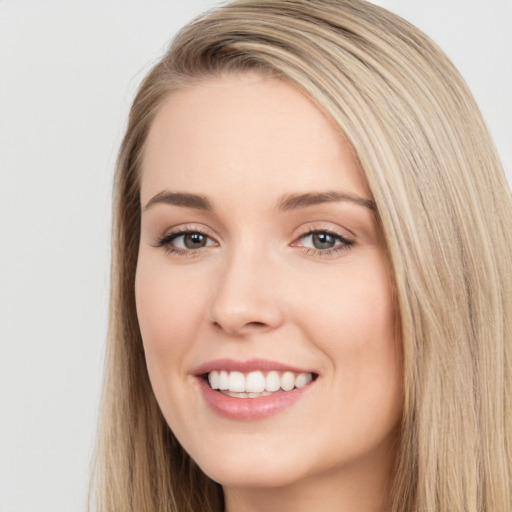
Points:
[(374, 342), (168, 312), (352, 311), (352, 319), (374, 373)]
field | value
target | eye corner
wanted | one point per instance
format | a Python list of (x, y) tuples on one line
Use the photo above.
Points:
[(174, 241), (322, 242)]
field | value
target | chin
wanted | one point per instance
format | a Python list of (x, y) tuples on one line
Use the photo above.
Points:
[(245, 469), (249, 476)]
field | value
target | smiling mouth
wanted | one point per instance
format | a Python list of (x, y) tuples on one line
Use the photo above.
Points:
[(256, 384)]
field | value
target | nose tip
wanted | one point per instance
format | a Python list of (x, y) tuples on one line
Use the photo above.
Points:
[(244, 316), (245, 303)]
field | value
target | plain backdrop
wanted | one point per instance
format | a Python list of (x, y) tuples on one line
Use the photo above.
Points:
[(68, 72)]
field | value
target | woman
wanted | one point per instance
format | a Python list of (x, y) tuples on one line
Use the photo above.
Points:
[(311, 275)]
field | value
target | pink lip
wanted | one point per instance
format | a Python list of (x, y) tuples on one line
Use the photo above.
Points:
[(250, 365), (248, 408)]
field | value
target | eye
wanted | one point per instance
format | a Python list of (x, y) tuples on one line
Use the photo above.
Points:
[(191, 240), (184, 242), (323, 242)]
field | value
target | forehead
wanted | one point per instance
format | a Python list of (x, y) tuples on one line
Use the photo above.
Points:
[(247, 132)]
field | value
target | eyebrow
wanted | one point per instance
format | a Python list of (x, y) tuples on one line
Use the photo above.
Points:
[(294, 201), (287, 203), (180, 199)]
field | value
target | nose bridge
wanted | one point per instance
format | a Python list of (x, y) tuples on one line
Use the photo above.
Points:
[(244, 298)]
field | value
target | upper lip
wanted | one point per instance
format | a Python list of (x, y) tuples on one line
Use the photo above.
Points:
[(247, 366)]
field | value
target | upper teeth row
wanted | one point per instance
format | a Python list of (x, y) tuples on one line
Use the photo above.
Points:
[(257, 382)]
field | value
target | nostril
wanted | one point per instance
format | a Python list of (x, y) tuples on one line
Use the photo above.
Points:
[(240, 330), (239, 311)]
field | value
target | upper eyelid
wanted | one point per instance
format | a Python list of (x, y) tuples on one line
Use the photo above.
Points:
[(172, 235), (327, 231), (345, 241), (169, 235), (195, 229), (320, 227), (184, 229)]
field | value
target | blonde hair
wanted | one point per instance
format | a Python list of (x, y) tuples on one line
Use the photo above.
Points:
[(445, 210)]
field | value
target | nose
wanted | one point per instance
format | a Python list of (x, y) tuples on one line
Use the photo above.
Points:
[(244, 299)]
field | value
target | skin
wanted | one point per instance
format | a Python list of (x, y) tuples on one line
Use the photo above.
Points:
[(261, 288)]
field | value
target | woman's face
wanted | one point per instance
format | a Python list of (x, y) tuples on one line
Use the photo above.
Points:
[(261, 266)]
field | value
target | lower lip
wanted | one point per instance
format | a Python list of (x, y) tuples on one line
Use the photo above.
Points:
[(250, 408)]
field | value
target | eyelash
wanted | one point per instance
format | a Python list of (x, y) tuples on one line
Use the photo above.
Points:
[(344, 243), (165, 242)]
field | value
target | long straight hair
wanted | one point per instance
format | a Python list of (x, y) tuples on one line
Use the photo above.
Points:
[(445, 210)]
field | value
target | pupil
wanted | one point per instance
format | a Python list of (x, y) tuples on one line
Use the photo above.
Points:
[(194, 240), (323, 240)]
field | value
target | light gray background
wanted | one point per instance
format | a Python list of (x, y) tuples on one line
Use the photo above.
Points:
[(68, 71)]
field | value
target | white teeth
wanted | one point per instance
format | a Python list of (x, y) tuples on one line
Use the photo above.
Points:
[(303, 379), (255, 384), (287, 381), (247, 395), (223, 381), (213, 379), (236, 382), (272, 381)]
